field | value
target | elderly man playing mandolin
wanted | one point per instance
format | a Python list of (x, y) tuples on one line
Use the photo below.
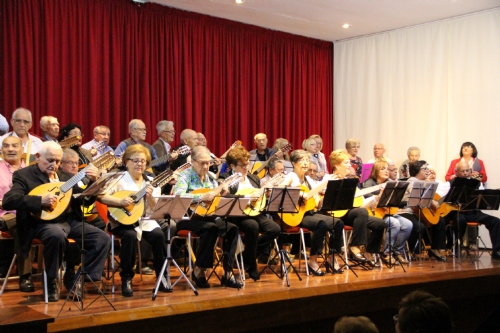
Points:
[(46, 209)]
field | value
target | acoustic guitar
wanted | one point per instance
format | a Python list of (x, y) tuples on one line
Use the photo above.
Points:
[(203, 208), (132, 213), (259, 168), (358, 200), (432, 215), (254, 207), (62, 190)]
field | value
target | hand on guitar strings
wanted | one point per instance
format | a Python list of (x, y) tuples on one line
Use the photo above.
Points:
[(49, 200), (92, 172)]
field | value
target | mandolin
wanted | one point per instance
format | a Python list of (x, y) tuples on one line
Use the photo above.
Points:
[(203, 208), (131, 214), (62, 190)]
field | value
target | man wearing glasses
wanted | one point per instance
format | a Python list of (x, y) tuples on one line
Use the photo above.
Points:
[(21, 124), (50, 128), (378, 152), (166, 134), (101, 136)]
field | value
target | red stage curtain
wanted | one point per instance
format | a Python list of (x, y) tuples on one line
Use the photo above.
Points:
[(109, 61)]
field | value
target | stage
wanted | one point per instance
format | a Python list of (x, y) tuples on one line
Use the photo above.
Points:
[(313, 304)]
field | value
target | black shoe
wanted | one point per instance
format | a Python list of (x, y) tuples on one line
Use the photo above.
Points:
[(387, 260), (253, 274), (436, 254), (53, 291), (401, 259), (69, 278), (26, 285), (316, 272), (329, 267), (495, 255), (359, 257), (230, 283), (201, 282), (127, 287), (164, 289)]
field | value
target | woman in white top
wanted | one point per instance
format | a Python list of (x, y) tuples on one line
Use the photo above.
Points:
[(319, 224), (136, 159)]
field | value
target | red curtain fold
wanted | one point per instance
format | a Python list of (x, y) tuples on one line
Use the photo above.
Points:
[(109, 61)]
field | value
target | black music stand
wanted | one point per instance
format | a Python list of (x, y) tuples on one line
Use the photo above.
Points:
[(169, 207), (339, 195), (391, 197), (222, 210), (97, 188), (421, 196), (459, 195), (283, 200)]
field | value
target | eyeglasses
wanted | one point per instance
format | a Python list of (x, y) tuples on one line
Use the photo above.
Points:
[(137, 161), (424, 168), (140, 129), (19, 121), (243, 165), (103, 134), (172, 131), (75, 134), (378, 148), (70, 163), (467, 146), (203, 163)]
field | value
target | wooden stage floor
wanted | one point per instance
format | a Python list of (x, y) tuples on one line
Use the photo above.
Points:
[(313, 304)]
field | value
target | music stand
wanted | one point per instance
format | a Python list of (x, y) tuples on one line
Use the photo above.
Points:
[(421, 196), (391, 197), (339, 195), (97, 188), (459, 195), (169, 207), (283, 200)]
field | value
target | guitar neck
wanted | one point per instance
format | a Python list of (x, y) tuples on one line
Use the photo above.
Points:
[(367, 190), (73, 180)]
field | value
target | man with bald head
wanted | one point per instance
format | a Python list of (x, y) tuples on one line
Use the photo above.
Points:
[(21, 124), (54, 233), (188, 138), (492, 223), (50, 128), (378, 153)]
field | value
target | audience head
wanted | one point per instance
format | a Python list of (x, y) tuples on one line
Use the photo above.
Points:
[(12, 149), (413, 153), (352, 146), (419, 169), (237, 155), (102, 134), (70, 161), (378, 150), (359, 324), (280, 143), (468, 149), (137, 129), (189, 138), (50, 126), (421, 312), (21, 122), (49, 157)]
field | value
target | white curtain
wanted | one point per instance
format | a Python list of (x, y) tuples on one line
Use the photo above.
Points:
[(434, 86)]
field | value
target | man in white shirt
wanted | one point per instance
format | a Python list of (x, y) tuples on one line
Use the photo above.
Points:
[(100, 142), (378, 152), (21, 124)]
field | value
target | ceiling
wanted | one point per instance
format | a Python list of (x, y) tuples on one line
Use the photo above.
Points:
[(322, 19)]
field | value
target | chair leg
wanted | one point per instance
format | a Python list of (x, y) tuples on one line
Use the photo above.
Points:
[(6, 279), (303, 246), (345, 247), (241, 265), (45, 287)]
